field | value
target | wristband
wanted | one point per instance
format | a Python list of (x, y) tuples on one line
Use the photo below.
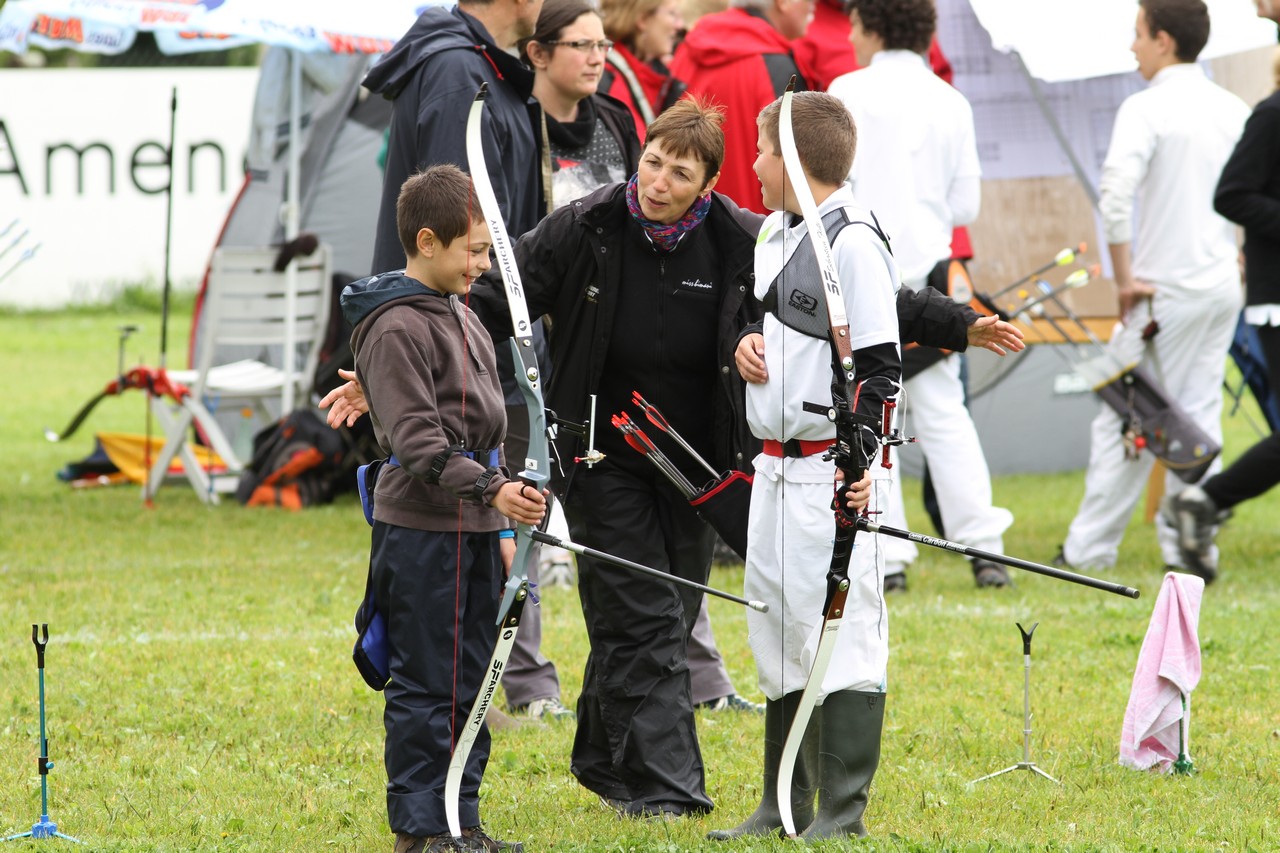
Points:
[(508, 533)]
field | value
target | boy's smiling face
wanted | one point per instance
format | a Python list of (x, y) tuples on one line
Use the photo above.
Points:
[(771, 172), (453, 268)]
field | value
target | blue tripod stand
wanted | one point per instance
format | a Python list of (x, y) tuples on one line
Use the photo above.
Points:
[(43, 828)]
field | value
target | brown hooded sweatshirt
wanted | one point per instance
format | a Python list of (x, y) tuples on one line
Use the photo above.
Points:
[(427, 369)]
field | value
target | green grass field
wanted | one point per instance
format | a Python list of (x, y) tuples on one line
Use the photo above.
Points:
[(201, 694)]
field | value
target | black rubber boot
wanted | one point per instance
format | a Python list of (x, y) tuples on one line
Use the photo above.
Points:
[(765, 820), (848, 754)]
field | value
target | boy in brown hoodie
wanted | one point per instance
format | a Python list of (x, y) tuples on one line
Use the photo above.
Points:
[(443, 505)]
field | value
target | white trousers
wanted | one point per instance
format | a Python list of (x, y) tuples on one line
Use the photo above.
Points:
[(937, 417), (1188, 358), (789, 540)]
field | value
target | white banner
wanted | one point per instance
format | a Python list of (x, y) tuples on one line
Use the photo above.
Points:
[(1090, 38), (83, 173)]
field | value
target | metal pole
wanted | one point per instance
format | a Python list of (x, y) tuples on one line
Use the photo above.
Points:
[(1026, 704), (292, 217), (168, 229)]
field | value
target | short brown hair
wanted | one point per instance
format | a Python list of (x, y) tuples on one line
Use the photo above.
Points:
[(441, 198), (826, 138), (1186, 22), (691, 127), (621, 17), (901, 24)]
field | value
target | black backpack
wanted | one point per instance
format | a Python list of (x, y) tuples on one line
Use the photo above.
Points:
[(295, 463)]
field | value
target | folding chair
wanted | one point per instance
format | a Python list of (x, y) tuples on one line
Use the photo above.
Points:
[(248, 307)]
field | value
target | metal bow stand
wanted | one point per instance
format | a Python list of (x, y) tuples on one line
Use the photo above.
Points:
[(1026, 763), (43, 828)]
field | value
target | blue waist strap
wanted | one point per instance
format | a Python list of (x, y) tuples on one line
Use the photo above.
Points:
[(365, 483)]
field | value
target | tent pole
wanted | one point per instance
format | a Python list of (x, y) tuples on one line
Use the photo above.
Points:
[(166, 287), (168, 229), (1056, 128), (291, 215)]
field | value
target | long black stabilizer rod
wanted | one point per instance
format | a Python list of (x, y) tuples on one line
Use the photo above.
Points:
[(866, 524), (548, 539)]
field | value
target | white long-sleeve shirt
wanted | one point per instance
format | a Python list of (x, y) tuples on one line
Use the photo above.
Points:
[(917, 164), (1167, 151)]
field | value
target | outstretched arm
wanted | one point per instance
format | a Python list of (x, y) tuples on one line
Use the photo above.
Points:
[(931, 318), (994, 334)]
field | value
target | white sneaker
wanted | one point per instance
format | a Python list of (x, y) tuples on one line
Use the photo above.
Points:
[(1195, 517), (538, 709)]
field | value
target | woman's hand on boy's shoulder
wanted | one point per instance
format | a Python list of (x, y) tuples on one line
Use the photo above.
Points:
[(347, 401)]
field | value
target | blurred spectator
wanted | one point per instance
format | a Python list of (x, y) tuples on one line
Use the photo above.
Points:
[(1176, 273), (644, 34), (917, 169), (741, 59)]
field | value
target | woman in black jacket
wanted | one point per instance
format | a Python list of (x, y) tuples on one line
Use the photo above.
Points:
[(589, 141), (646, 284)]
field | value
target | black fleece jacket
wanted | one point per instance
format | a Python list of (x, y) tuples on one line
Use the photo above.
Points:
[(1249, 194), (433, 74), (572, 270)]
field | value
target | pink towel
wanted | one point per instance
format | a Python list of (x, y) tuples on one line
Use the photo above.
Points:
[(1168, 669)]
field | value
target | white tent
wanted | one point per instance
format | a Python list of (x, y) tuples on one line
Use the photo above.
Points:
[(1090, 38)]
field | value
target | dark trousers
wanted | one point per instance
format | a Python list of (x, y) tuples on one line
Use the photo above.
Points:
[(1259, 468), (438, 660), (636, 739)]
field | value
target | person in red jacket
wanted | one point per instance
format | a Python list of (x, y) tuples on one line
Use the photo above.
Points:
[(741, 59), (644, 34)]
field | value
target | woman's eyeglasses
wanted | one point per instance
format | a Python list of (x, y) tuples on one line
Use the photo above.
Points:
[(583, 45)]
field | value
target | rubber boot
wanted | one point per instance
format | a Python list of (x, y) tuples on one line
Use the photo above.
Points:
[(848, 754), (765, 820)]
